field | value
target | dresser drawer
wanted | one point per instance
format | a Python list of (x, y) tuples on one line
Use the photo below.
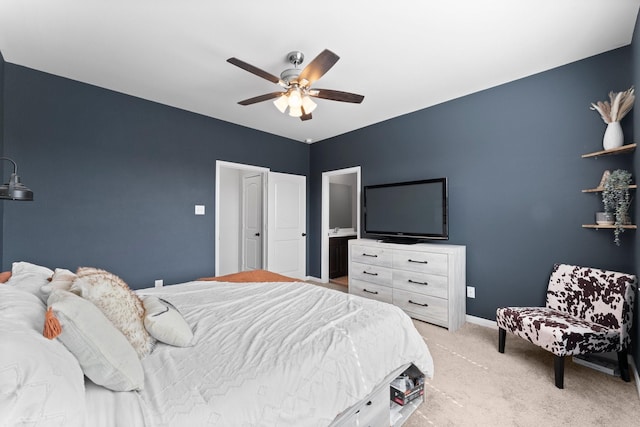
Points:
[(370, 255), (423, 283), (425, 262), (371, 273), (371, 290), (423, 307)]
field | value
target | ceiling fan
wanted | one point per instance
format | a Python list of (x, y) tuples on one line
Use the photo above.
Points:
[(297, 84)]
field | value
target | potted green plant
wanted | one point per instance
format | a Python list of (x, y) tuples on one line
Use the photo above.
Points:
[(617, 200)]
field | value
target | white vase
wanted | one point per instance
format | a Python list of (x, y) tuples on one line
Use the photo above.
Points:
[(613, 137)]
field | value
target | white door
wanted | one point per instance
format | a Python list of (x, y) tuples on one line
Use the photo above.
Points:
[(252, 222), (287, 225)]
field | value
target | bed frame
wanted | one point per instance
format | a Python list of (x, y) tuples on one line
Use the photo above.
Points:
[(373, 410)]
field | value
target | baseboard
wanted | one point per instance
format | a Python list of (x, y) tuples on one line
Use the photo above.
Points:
[(315, 279), (603, 362), (482, 322), (636, 376)]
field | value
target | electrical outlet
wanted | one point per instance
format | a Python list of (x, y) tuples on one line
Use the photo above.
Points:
[(159, 283), (471, 292)]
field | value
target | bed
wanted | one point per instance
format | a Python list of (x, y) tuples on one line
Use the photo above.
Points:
[(282, 353)]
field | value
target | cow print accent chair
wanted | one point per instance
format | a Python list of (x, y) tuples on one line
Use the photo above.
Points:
[(587, 311)]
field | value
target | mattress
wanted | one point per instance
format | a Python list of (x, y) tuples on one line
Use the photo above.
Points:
[(272, 354)]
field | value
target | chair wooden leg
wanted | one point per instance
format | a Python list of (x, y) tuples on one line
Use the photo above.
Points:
[(502, 334), (623, 364), (558, 363)]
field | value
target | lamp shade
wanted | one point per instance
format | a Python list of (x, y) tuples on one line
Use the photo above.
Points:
[(308, 104), (281, 103), (295, 100), (295, 111), (14, 189)]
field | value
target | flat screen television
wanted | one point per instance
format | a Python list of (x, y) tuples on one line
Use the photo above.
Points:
[(407, 212)]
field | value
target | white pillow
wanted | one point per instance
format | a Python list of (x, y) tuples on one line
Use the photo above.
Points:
[(61, 279), (105, 355), (41, 382), (22, 308), (118, 303), (30, 278), (165, 323)]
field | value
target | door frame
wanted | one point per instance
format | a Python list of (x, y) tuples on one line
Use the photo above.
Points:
[(324, 231), (224, 164)]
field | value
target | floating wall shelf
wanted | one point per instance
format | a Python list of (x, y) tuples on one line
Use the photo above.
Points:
[(611, 227), (625, 149), (620, 150)]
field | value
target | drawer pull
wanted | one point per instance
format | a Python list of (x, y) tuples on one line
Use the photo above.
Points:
[(418, 262), (369, 255), (370, 274), (370, 292), (417, 283), (417, 303)]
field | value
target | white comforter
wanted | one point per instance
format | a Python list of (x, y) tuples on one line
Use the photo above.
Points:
[(274, 354)]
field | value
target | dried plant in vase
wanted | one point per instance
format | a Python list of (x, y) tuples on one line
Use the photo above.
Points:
[(617, 107), (612, 112), (617, 200)]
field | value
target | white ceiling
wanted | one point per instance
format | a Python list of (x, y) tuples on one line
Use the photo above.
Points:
[(402, 55)]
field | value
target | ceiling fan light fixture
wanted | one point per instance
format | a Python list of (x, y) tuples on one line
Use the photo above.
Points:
[(308, 104), (297, 84), (282, 103), (295, 111)]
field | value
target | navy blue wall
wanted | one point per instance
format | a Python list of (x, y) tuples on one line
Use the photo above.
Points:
[(116, 178), (512, 156)]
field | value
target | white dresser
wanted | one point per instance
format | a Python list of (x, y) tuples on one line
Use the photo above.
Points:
[(428, 281)]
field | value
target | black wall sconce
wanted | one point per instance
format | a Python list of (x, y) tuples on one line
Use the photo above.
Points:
[(14, 189)]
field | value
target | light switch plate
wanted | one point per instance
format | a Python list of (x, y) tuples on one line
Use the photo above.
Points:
[(471, 292), (199, 209)]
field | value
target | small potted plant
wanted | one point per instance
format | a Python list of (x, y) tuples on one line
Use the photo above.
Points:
[(617, 200)]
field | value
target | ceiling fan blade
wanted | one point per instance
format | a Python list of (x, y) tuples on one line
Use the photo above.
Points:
[(254, 70), (319, 66), (265, 97), (336, 95), (305, 115)]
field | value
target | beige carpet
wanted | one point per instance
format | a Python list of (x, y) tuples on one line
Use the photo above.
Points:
[(475, 385)]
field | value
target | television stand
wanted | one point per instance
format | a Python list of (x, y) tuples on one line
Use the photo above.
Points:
[(427, 281)]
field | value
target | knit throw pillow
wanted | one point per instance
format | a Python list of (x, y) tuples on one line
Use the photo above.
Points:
[(118, 303)]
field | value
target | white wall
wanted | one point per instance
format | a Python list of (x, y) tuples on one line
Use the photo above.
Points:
[(352, 181), (230, 214)]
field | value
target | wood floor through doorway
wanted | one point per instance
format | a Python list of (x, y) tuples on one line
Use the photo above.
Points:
[(344, 280)]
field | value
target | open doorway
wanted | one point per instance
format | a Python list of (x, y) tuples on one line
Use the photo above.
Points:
[(240, 214), (340, 221), (260, 220)]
